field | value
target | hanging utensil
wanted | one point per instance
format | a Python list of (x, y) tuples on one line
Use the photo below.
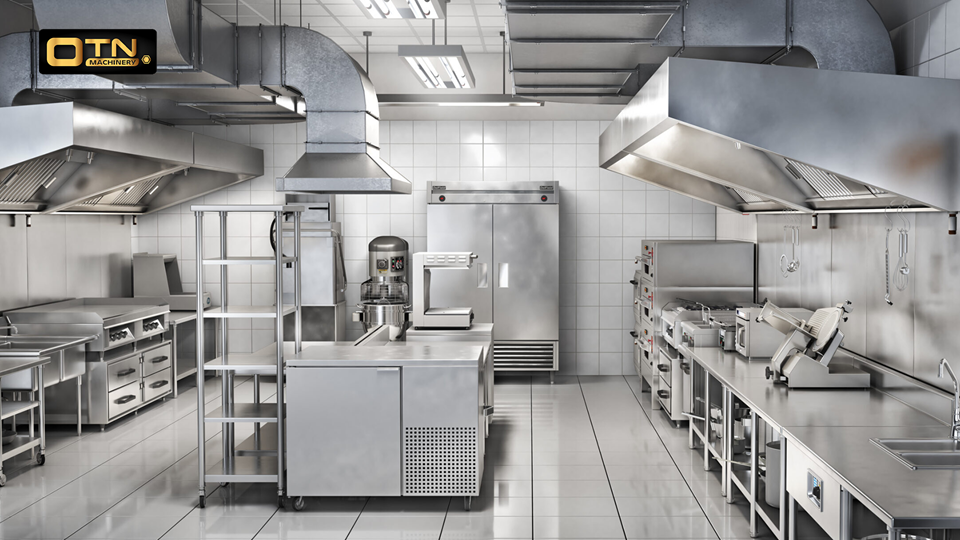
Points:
[(788, 266)]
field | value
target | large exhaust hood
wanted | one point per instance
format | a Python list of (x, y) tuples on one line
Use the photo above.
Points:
[(211, 71), (68, 157), (755, 138)]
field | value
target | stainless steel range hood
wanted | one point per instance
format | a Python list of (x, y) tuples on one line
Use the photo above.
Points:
[(755, 138), (68, 157)]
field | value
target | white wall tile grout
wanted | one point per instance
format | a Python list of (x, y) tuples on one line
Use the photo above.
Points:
[(604, 217)]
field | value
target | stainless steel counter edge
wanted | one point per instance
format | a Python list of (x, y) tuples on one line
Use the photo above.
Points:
[(418, 355), (708, 356), (176, 317), (13, 364)]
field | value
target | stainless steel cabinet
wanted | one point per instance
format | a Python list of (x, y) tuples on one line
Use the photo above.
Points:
[(358, 451), (514, 229)]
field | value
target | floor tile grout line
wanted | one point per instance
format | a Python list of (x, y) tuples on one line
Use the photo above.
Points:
[(613, 496), (445, 514), (362, 508), (265, 523), (669, 453), (154, 477), (111, 459), (533, 515)]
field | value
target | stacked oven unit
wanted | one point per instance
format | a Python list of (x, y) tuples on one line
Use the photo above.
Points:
[(675, 273)]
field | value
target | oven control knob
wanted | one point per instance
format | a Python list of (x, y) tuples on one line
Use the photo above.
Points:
[(768, 373)]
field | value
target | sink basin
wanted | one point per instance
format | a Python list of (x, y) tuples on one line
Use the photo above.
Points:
[(932, 460), (20, 345), (923, 453), (919, 445)]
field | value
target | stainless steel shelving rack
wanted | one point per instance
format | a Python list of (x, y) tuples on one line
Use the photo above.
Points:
[(260, 458)]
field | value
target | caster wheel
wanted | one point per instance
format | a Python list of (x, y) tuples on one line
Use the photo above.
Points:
[(41, 459), (467, 502), (280, 503), (298, 504), (3, 480), (203, 502)]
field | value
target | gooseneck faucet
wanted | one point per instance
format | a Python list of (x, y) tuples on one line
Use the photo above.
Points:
[(946, 369)]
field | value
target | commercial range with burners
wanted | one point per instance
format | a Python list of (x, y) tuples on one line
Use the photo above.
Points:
[(127, 365)]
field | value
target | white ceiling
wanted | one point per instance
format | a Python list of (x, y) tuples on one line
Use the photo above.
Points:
[(475, 24)]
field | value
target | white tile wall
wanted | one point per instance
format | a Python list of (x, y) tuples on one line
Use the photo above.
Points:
[(929, 46), (604, 216)]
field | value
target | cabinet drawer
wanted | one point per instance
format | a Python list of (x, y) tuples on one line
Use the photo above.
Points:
[(156, 359), (665, 396), (123, 372), (124, 399), (157, 384)]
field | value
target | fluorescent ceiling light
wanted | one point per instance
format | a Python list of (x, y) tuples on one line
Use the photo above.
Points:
[(454, 100), (403, 9), (425, 59)]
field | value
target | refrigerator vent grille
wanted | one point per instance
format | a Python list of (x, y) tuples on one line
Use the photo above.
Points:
[(440, 461), (525, 355)]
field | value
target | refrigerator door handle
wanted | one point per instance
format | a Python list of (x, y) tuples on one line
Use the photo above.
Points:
[(482, 275), (503, 278)]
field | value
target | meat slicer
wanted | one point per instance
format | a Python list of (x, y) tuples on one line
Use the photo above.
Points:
[(803, 360)]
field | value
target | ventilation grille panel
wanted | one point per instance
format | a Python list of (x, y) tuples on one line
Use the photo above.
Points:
[(440, 461), (19, 183), (826, 184), (525, 355), (747, 196)]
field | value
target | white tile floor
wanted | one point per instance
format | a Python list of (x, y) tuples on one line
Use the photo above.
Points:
[(577, 459)]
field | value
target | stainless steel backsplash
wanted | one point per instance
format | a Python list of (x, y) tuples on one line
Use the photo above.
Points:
[(63, 256), (844, 260)]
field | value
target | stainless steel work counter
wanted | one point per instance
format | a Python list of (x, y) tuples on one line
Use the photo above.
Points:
[(835, 426), (919, 499), (783, 407), (13, 364), (420, 354)]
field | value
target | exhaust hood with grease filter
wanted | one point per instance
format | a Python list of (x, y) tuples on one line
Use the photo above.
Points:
[(756, 138), (68, 157)]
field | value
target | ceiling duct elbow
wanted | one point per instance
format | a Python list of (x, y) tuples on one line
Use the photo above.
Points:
[(173, 20), (343, 115)]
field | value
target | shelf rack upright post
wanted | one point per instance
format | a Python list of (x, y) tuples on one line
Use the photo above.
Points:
[(260, 458)]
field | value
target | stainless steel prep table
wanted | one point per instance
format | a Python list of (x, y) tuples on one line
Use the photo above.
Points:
[(8, 409), (386, 421), (834, 427)]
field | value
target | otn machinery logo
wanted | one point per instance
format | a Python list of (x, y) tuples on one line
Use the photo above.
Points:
[(98, 52)]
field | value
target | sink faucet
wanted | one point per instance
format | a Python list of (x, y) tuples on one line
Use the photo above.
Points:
[(946, 369)]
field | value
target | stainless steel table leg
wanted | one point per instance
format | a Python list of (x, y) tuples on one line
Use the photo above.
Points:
[(894, 534), (706, 423), (43, 411), (173, 355), (754, 471), (846, 518), (79, 406), (791, 525), (30, 432), (726, 468)]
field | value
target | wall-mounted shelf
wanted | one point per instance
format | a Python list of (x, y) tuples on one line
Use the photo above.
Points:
[(257, 459)]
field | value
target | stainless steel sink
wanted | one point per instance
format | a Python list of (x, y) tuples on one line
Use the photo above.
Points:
[(923, 453)]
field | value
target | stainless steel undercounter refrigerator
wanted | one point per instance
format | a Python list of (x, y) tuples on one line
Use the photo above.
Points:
[(386, 421)]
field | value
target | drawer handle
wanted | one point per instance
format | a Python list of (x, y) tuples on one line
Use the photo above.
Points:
[(125, 399), (663, 394), (634, 334), (159, 359), (633, 282), (663, 367), (488, 410), (159, 384), (126, 372)]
